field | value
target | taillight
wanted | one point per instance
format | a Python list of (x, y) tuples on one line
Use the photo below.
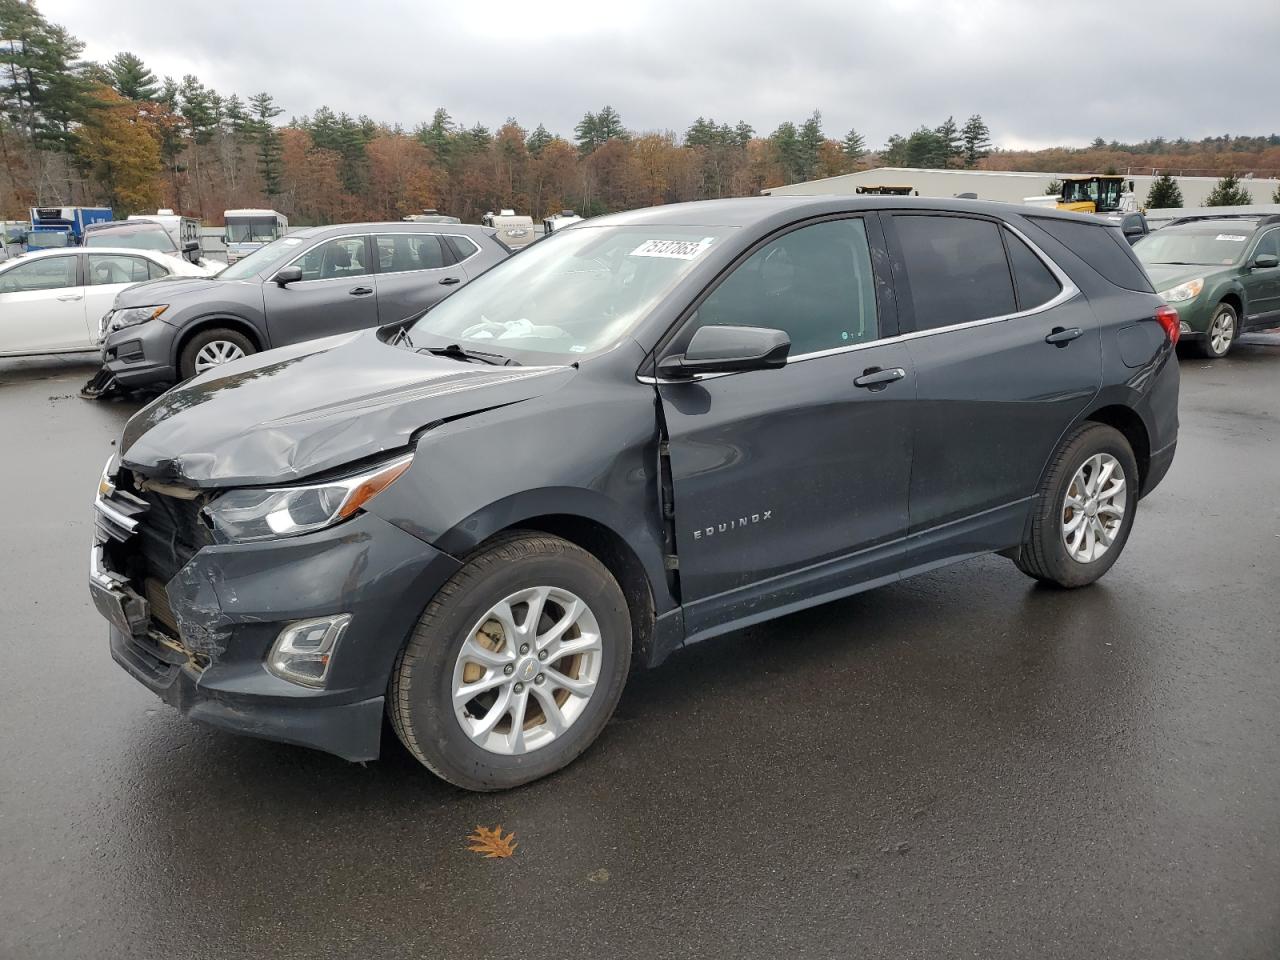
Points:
[(1167, 317)]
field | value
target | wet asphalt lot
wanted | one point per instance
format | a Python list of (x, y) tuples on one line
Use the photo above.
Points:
[(962, 765)]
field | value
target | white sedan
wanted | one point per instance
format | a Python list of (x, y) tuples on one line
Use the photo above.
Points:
[(54, 300)]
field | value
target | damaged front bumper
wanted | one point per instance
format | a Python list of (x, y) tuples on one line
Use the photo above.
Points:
[(200, 638)]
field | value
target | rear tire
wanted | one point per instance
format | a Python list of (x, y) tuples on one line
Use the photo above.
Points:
[(1221, 336), (1081, 518), (202, 351), (486, 628)]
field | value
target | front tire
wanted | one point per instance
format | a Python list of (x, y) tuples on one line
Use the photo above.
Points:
[(212, 348), (1224, 327), (515, 666), (1084, 509)]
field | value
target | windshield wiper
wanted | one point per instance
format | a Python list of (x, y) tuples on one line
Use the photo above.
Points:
[(1177, 263), (455, 351)]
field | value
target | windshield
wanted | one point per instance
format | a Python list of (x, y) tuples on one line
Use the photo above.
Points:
[(262, 259), (252, 230), (1219, 247), (571, 295), (47, 241), (132, 238)]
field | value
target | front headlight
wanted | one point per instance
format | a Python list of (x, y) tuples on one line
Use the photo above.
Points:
[(267, 513), (130, 316), (1183, 291)]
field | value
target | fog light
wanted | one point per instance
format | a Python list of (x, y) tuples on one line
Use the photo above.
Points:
[(303, 651)]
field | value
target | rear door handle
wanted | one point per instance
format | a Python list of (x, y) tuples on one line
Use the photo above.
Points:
[(450, 281), (71, 296), (360, 291), (1061, 336), (873, 378)]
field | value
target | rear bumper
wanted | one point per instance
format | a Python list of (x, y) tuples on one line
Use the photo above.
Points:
[(230, 602)]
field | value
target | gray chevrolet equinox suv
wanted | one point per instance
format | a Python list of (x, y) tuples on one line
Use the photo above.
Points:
[(645, 430), (312, 283)]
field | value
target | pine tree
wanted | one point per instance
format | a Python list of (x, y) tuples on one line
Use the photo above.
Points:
[(948, 134), (45, 92), (1228, 193), (131, 78), (538, 141), (1164, 193), (743, 132), (854, 146), (1054, 188), (811, 140), (263, 110), (786, 146), (596, 129), (977, 140)]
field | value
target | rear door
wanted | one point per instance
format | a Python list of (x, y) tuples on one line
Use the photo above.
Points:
[(792, 484), (1007, 354), (415, 271), (42, 306), (335, 295)]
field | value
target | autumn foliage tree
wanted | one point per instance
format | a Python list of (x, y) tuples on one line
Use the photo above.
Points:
[(120, 149)]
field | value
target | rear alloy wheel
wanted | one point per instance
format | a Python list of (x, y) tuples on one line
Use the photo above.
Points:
[(212, 348), (1084, 509), (1222, 331), (515, 666)]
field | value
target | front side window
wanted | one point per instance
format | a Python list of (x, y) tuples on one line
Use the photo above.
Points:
[(400, 252), (815, 284), (333, 259), (46, 273), (107, 268), (1269, 244), (572, 295), (262, 260), (956, 268)]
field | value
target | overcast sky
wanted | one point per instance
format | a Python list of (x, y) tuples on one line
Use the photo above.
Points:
[(1041, 74)]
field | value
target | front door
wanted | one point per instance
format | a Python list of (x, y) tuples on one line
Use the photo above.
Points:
[(1002, 369), (1262, 284), (790, 485), (42, 306), (335, 295)]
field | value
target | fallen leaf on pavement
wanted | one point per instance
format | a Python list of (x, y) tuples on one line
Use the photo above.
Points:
[(491, 844)]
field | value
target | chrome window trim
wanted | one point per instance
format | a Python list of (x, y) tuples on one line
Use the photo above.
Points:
[(424, 233), (1068, 292)]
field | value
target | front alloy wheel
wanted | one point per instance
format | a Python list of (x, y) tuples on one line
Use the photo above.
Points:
[(527, 670), (1222, 332), (216, 353)]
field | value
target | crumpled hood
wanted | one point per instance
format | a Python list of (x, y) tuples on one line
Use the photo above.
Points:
[(1165, 276), (300, 410)]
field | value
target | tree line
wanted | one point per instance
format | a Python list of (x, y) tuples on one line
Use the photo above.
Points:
[(78, 132)]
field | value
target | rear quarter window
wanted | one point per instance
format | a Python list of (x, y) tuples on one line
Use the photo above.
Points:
[(1102, 247)]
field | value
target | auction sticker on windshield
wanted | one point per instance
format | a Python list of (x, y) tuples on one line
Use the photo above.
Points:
[(1231, 236), (673, 249)]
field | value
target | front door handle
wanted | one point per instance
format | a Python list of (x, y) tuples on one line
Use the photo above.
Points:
[(1061, 336), (71, 296), (450, 281), (873, 378), (360, 291)]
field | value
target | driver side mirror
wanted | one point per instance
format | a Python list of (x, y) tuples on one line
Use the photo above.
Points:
[(716, 349), (287, 275), (1265, 260)]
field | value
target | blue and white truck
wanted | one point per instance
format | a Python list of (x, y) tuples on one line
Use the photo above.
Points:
[(62, 226)]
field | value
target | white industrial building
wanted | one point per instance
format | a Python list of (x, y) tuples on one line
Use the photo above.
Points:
[(1003, 185)]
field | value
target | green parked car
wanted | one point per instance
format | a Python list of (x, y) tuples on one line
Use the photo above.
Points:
[(1222, 275)]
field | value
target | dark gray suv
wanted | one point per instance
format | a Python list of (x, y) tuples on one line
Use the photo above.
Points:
[(643, 431), (310, 284)]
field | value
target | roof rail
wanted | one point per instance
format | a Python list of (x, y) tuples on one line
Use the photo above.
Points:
[(1260, 217)]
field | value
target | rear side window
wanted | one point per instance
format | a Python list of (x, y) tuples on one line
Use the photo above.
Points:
[(463, 247), (956, 269), (1036, 285), (1102, 248), (399, 252), (156, 271)]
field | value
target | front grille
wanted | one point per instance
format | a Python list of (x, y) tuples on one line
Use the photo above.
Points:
[(169, 534)]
